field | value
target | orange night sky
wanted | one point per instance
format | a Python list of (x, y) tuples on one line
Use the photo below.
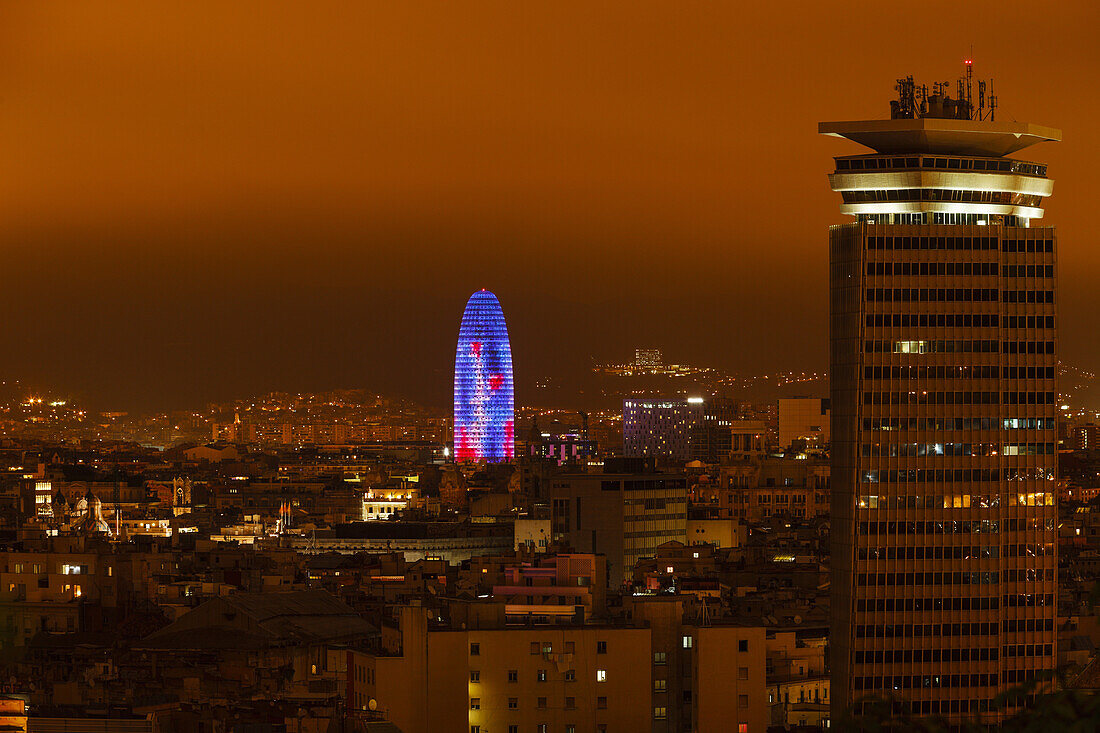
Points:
[(224, 198)]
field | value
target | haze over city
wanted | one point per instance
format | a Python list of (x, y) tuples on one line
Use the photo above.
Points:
[(515, 367), (206, 201)]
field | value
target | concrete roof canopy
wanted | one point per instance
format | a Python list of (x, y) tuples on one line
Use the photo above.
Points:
[(943, 136)]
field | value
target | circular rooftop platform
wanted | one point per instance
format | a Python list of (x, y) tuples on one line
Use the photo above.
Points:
[(944, 136)]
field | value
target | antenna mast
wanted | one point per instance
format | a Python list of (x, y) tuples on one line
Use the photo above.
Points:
[(917, 101), (970, 86), (906, 106)]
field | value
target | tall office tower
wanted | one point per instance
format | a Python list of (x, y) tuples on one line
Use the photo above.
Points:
[(942, 340), (484, 427)]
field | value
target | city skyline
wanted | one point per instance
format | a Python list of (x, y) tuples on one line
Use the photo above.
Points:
[(509, 367), (198, 235)]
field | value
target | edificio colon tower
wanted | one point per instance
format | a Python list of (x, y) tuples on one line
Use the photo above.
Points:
[(943, 359)]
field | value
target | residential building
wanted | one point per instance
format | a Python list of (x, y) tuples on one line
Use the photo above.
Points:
[(657, 428), (648, 359), (491, 677), (804, 419), (708, 674), (798, 680), (624, 517), (1085, 437), (692, 429), (756, 490)]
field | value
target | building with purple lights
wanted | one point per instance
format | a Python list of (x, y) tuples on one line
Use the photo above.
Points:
[(484, 428)]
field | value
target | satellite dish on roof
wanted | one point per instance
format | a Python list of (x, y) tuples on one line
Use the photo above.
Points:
[(372, 704)]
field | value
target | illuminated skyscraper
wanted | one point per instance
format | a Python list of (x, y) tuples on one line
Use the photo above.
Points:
[(942, 341), (484, 399), (648, 359)]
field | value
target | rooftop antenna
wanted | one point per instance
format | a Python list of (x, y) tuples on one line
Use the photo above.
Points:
[(906, 105), (969, 85)]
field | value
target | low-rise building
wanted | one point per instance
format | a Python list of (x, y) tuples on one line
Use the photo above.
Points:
[(624, 517), (571, 678)]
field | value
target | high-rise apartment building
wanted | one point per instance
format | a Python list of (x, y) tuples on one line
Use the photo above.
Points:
[(648, 359), (658, 428), (623, 516), (1085, 437), (803, 419), (692, 429), (942, 338), (484, 428)]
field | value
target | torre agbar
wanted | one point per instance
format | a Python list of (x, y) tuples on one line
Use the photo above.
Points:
[(943, 364), (484, 400)]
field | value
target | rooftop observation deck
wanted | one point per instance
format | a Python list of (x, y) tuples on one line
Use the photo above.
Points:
[(936, 169)]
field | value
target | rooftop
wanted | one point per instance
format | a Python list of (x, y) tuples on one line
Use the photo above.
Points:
[(272, 618)]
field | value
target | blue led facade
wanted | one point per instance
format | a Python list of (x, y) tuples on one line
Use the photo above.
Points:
[(484, 428)]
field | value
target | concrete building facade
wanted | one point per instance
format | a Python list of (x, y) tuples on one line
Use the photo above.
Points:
[(658, 673), (942, 338), (622, 516), (805, 419), (692, 429), (553, 678)]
